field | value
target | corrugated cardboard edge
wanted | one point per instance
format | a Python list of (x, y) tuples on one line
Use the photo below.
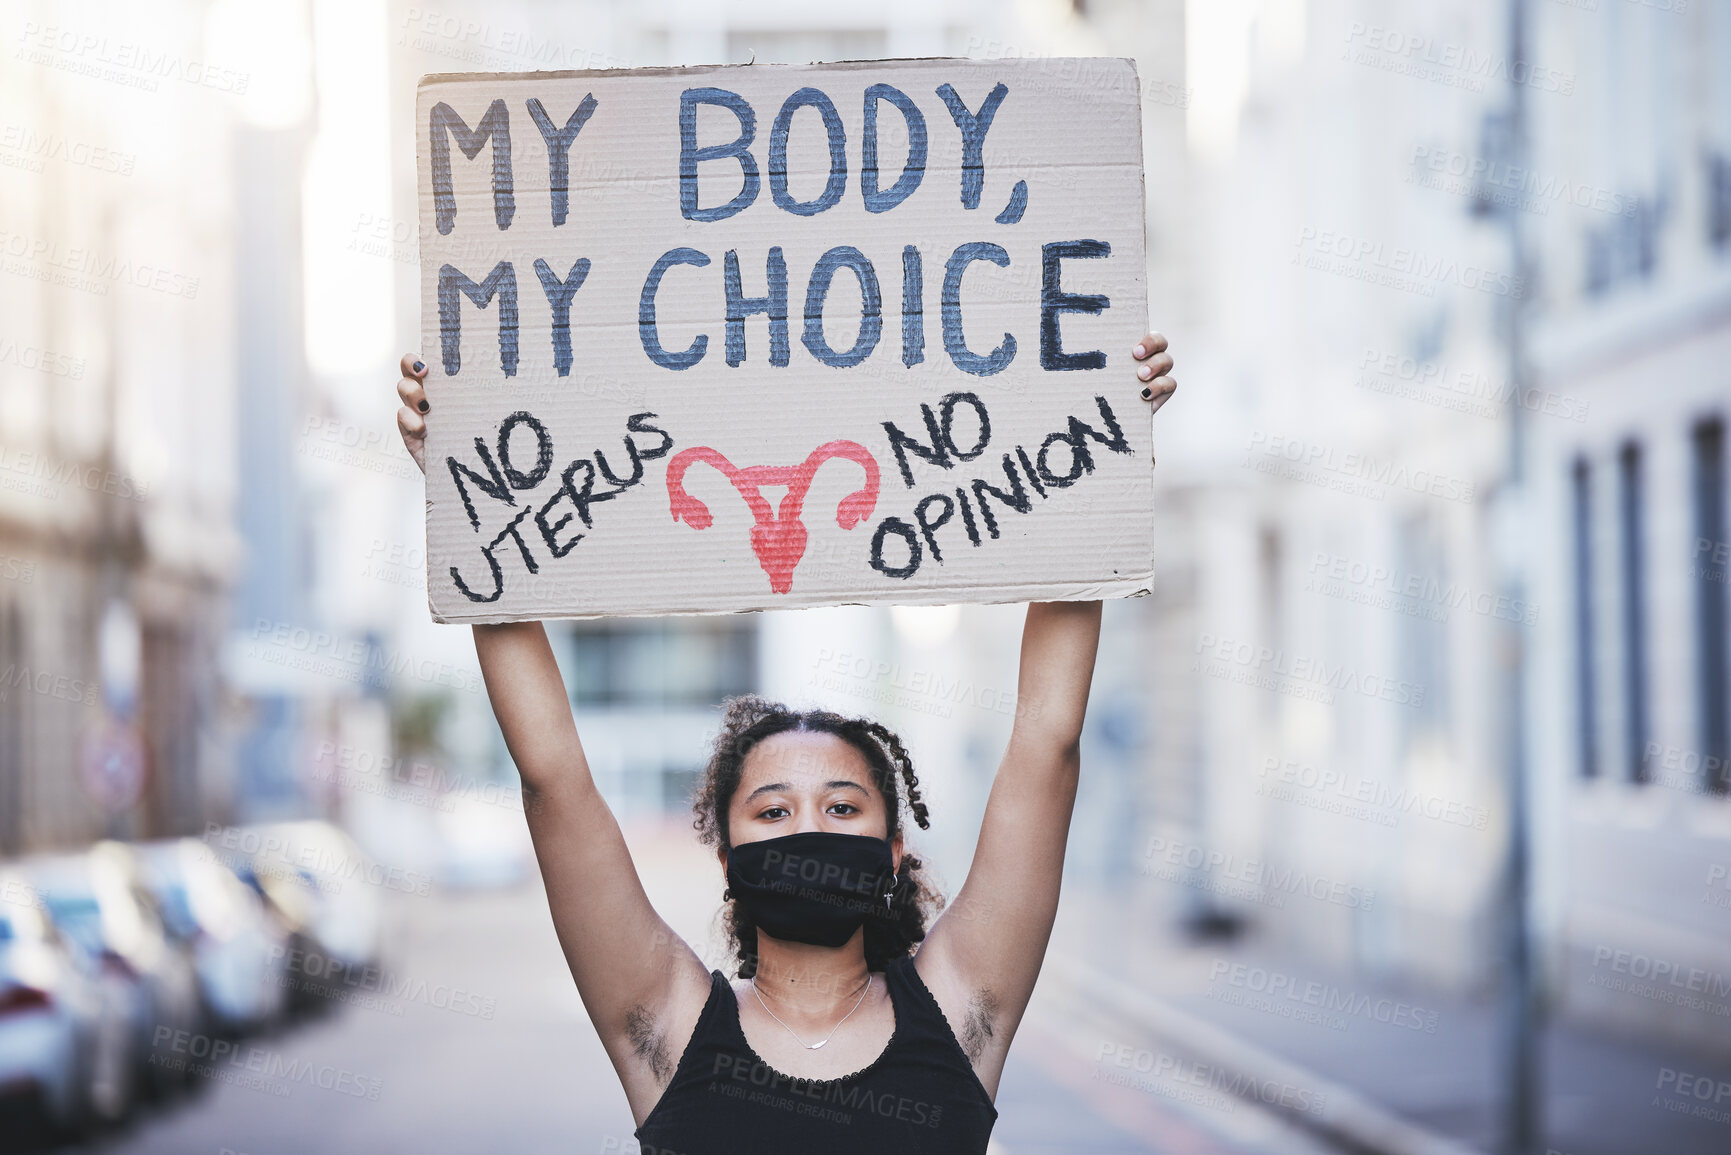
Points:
[(1048, 592), (1056, 592), (432, 78), (1142, 168)]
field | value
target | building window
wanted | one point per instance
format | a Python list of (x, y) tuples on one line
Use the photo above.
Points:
[(1712, 662), (1271, 568), (1625, 248), (1422, 552), (663, 664), (1633, 558), (1718, 200), (1586, 715)]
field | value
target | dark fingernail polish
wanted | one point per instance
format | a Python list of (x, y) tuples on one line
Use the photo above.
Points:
[(419, 367), (423, 406), (1147, 395)]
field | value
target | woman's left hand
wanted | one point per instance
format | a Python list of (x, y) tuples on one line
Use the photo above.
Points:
[(1154, 370)]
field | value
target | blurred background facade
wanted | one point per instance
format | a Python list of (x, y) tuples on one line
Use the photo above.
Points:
[(1376, 608)]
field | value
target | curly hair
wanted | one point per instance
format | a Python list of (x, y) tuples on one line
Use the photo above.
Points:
[(749, 719)]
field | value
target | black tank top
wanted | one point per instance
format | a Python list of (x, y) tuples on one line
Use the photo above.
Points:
[(920, 1096)]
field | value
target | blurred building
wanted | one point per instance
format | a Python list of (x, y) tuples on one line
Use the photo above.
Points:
[(1328, 701), (1325, 762), (1632, 689), (168, 657), (118, 393), (270, 160)]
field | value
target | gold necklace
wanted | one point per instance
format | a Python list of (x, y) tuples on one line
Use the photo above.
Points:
[(791, 1031)]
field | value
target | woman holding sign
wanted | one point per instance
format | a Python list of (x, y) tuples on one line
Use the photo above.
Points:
[(852, 1025)]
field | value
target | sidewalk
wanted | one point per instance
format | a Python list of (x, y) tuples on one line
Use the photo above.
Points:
[(1397, 1071)]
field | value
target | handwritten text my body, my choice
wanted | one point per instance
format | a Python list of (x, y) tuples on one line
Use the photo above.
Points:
[(446, 126)]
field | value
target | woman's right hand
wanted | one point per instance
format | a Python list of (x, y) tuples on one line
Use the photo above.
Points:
[(411, 418)]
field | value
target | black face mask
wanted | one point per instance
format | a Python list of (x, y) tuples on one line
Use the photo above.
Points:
[(816, 887)]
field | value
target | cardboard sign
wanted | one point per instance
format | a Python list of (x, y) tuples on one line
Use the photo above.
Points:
[(721, 339)]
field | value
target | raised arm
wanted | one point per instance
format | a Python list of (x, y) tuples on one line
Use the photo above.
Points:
[(641, 984), (983, 954)]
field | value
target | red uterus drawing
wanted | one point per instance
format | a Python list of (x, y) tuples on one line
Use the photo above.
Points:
[(778, 538)]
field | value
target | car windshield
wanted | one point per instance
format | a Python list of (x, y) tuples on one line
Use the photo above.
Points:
[(80, 917), (19, 922), (177, 911)]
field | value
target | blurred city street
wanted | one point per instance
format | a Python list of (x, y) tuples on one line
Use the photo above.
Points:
[(521, 1070), (516, 1067)]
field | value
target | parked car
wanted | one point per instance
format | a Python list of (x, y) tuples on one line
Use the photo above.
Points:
[(64, 1046), (342, 884), (98, 899), (239, 949), (319, 884), (291, 898)]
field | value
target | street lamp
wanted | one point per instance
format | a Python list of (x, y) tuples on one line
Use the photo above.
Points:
[(1520, 1022)]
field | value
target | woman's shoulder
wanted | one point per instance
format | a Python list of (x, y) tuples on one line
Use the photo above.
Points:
[(692, 1018), (906, 974), (938, 991)]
